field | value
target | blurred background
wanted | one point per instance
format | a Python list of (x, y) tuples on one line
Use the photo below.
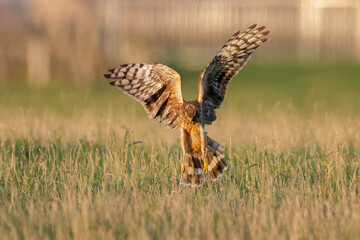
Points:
[(64, 40), (305, 81)]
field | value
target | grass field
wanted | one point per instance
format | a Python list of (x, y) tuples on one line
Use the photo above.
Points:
[(85, 162)]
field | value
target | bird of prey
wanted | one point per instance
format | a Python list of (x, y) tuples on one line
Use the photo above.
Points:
[(158, 88)]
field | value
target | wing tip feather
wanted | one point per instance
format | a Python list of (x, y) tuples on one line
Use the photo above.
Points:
[(113, 83), (260, 28), (252, 26), (265, 33), (107, 75)]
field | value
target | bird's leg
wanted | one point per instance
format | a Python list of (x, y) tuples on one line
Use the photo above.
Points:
[(183, 146), (205, 166), (204, 143)]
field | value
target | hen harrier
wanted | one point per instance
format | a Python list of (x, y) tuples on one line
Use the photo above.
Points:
[(158, 88)]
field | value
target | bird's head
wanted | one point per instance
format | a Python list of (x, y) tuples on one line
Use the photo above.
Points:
[(191, 111)]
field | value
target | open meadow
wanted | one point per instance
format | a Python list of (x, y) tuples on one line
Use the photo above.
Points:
[(83, 161)]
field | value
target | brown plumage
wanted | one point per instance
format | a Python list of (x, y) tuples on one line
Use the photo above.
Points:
[(158, 88)]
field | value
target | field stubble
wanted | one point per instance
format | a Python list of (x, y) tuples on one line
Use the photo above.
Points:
[(81, 163)]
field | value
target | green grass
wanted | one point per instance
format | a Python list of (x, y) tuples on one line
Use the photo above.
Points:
[(85, 162), (120, 190)]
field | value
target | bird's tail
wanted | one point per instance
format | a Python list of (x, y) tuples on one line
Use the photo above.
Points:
[(214, 159), (191, 171), (214, 164)]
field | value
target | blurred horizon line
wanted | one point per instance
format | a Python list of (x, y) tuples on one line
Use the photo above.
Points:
[(75, 40)]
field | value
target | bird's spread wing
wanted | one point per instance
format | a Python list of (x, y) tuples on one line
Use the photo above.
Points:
[(232, 57), (156, 86)]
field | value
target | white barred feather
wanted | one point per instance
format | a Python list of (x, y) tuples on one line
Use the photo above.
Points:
[(156, 86), (232, 57)]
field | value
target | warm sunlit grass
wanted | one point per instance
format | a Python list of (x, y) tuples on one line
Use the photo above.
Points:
[(72, 166)]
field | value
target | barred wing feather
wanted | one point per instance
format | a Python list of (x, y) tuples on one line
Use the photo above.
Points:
[(156, 86), (232, 57)]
